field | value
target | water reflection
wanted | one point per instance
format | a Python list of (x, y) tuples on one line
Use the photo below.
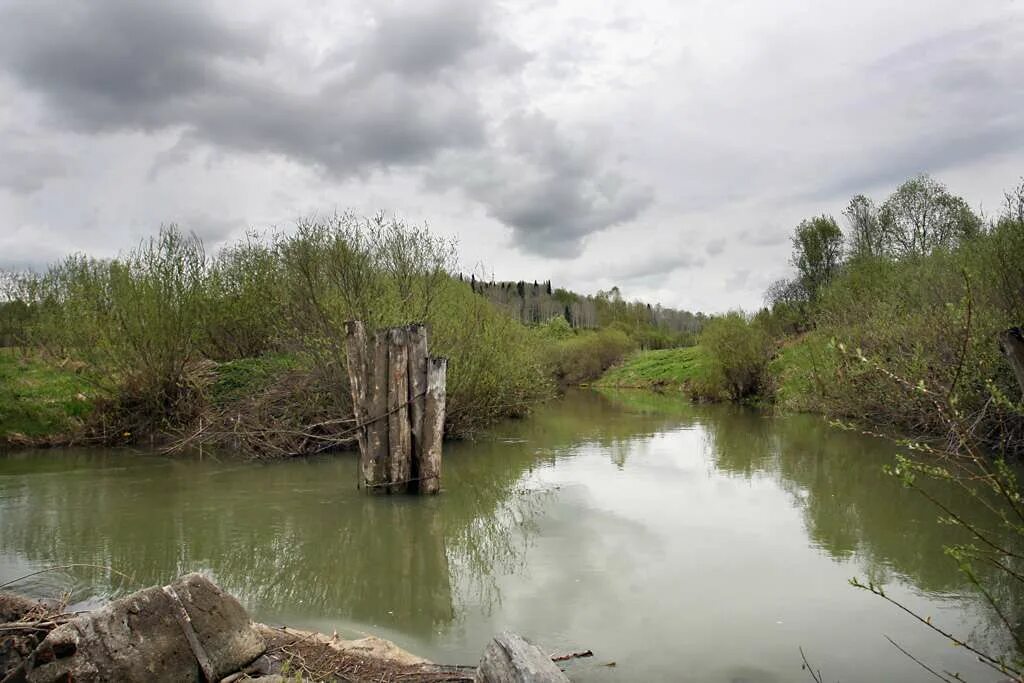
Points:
[(610, 505)]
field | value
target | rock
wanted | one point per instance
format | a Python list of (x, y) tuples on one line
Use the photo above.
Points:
[(509, 658), (140, 638), (222, 625)]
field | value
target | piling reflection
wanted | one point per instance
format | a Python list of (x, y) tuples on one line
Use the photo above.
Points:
[(297, 537)]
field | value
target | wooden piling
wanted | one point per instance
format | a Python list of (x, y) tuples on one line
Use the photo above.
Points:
[(377, 424), (356, 364), (399, 429), (398, 400), (433, 426), (417, 392)]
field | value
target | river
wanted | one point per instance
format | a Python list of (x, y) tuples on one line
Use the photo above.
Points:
[(682, 542)]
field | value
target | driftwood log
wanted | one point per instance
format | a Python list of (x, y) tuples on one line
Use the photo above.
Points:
[(1011, 343), (398, 398), (509, 658)]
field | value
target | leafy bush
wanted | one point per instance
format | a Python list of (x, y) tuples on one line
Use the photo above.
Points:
[(153, 325), (932, 315), (738, 352), (587, 355)]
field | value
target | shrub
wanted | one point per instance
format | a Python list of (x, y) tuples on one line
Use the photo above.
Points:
[(259, 329), (738, 351), (585, 356)]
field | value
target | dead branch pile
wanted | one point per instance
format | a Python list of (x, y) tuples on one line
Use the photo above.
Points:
[(302, 412)]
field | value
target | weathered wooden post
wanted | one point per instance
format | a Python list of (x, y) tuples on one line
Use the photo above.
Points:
[(398, 400), (417, 393), (433, 426)]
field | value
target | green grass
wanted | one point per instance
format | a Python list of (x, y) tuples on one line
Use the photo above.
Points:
[(666, 368), (40, 400), (800, 371), (238, 378)]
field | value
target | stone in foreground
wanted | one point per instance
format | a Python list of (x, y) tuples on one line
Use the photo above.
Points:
[(509, 658), (141, 638)]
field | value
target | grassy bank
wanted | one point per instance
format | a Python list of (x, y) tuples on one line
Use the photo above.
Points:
[(41, 401), (665, 369)]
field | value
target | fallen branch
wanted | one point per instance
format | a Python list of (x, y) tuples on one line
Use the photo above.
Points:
[(571, 655)]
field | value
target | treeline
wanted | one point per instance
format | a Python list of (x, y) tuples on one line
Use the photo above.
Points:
[(902, 301), (651, 326), (245, 347)]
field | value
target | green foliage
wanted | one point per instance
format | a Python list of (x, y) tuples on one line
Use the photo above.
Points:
[(14, 319), (933, 317), (137, 317), (555, 329), (170, 330), (236, 379), (738, 351), (802, 373), (922, 216), (817, 253), (865, 238), (585, 356), (39, 399), (244, 301), (496, 365)]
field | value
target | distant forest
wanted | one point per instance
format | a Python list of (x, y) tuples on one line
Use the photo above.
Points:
[(537, 302)]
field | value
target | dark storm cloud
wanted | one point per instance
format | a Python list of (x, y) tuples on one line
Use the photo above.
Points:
[(109, 64), (431, 38), (552, 189), (399, 94), (122, 64)]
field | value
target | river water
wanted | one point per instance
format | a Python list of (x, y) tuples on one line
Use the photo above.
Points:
[(681, 542)]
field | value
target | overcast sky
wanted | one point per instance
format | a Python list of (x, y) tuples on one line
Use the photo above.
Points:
[(668, 148)]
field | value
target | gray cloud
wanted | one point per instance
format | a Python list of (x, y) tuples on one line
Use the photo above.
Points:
[(765, 236), (108, 64), (128, 65), (397, 97), (565, 128), (958, 93), (26, 168), (715, 247), (551, 188), (639, 270)]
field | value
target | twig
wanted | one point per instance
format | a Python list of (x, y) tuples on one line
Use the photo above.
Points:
[(65, 566), (806, 666), (571, 655), (924, 666)]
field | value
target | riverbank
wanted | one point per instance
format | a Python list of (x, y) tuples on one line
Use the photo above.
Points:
[(193, 630)]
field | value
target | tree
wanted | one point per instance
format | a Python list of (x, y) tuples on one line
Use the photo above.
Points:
[(922, 216), (817, 253), (865, 239)]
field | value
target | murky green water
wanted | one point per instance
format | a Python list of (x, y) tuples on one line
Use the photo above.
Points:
[(701, 543)]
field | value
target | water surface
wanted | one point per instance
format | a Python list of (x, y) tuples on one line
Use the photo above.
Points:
[(681, 542)]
